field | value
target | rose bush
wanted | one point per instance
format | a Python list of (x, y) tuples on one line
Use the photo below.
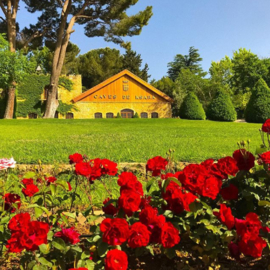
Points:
[(210, 210)]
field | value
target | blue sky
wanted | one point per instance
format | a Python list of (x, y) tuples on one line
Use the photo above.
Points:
[(215, 27)]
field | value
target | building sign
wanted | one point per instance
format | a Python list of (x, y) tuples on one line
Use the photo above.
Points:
[(124, 97)]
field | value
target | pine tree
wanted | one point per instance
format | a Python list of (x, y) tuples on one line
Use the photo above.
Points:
[(258, 107)]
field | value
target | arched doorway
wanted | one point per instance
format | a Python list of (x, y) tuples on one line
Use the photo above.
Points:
[(127, 113), (98, 115), (69, 116), (144, 115), (154, 115)]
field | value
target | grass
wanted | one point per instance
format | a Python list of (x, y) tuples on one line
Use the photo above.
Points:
[(121, 140)]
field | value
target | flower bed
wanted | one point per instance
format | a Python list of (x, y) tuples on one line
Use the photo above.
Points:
[(212, 211)]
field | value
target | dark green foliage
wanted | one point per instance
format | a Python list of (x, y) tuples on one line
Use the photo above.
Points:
[(66, 83), (258, 107), (190, 61), (118, 115), (136, 115), (29, 93), (64, 108), (191, 108), (221, 108)]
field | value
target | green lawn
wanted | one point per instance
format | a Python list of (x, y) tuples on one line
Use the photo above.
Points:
[(122, 140)]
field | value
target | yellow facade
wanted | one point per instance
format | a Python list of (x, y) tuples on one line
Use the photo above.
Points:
[(121, 92)]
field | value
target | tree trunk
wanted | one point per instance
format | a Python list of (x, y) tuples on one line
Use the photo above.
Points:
[(10, 104), (52, 101)]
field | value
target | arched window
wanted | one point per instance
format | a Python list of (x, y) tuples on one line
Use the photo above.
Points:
[(98, 115), (56, 115), (69, 116), (109, 115), (127, 113), (154, 115), (32, 116), (144, 115)]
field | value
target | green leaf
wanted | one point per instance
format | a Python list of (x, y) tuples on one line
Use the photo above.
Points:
[(31, 265), (102, 249), (43, 261), (168, 214), (71, 215), (96, 238), (264, 203), (90, 264), (195, 207), (85, 255), (77, 249), (29, 175), (40, 267), (59, 244), (53, 189), (170, 253), (38, 212), (45, 248)]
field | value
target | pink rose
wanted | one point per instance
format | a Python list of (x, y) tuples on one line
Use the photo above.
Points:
[(6, 163)]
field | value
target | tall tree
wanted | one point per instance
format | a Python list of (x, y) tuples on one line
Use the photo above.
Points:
[(133, 62), (190, 61), (99, 65), (166, 85), (106, 18)]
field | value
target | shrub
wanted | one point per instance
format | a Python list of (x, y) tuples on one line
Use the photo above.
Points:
[(191, 108), (136, 115), (258, 107), (221, 108), (118, 115)]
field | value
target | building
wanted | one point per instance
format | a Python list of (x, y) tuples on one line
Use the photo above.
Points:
[(126, 94)]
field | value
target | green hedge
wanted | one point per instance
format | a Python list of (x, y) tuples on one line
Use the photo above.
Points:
[(29, 93), (191, 108), (258, 107), (221, 108)]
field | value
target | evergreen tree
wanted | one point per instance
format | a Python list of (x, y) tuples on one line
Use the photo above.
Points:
[(221, 107), (258, 107), (107, 18), (191, 108), (190, 61), (133, 62)]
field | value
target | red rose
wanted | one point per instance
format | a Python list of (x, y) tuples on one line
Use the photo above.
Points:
[(266, 126), (10, 200), (129, 201), (139, 236), (229, 193), (228, 165), (188, 199), (110, 209), (145, 201), (125, 177), (216, 172), (30, 190), (193, 178), (207, 164), (116, 260), (265, 229), (26, 234), (75, 158), (148, 215), (69, 235), (109, 167), (156, 229), (252, 246), (115, 231), (265, 158), (234, 251), (19, 222), (245, 160), (156, 164), (96, 169), (83, 168), (169, 235), (211, 187), (28, 181), (250, 226), (225, 216), (50, 179)]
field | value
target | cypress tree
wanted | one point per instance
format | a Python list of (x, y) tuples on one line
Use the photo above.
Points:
[(221, 108), (191, 108), (258, 107)]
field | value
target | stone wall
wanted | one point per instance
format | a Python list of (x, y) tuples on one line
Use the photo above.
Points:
[(88, 109)]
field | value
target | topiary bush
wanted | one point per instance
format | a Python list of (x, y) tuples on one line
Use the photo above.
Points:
[(191, 108), (258, 107), (221, 108), (136, 115), (118, 115)]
